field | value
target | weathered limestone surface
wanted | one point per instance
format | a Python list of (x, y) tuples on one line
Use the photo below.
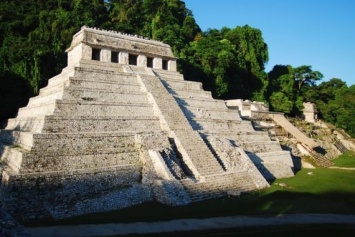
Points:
[(118, 127), (214, 120)]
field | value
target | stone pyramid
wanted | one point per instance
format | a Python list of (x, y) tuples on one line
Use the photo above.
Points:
[(120, 126)]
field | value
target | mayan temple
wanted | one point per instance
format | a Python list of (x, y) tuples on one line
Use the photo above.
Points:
[(120, 126)]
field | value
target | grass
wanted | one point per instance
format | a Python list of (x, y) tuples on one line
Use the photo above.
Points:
[(317, 190), (346, 160)]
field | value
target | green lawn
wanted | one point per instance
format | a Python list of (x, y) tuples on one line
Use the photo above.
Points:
[(345, 160)]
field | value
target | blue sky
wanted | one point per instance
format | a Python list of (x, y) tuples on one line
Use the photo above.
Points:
[(320, 33)]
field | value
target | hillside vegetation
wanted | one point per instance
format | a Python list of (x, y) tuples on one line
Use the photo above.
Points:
[(229, 62)]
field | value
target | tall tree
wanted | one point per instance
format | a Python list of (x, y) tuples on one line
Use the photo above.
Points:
[(232, 61), (305, 75), (281, 89)]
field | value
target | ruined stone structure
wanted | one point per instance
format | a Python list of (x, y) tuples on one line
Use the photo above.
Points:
[(247, 108), (310, 112), (120, 126)]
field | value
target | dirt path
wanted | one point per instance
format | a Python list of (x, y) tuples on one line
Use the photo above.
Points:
[(341, 168), (188, 225)]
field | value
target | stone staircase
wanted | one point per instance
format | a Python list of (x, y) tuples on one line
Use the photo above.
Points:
[(340, 146), (211, 118), (319, 159), (219, 185), (283, 122), (190, 143)]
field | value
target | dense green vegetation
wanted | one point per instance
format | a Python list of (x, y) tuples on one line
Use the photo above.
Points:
[(230, 62)]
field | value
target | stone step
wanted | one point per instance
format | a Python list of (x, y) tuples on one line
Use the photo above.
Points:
[(220, 125), (173, 85), (55, 124), (140, 70), (45, 98), (166, 75), (62, 77), (239, 135), (106, 76), (23, 161), (17, 138), (98, 108), (178, 123), (58, 162), (82, 141), (201, 103), (191, 94), (30, 124), (203, 159), (86, 108), (101, 66), (72, 124), (118, 86), (78, 93), (274, 156), (219, 185), (260, 146), (52, 89), (209, 113), (37, 110), (70, 142)]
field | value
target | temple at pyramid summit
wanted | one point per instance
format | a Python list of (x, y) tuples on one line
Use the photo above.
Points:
[(119, 126)]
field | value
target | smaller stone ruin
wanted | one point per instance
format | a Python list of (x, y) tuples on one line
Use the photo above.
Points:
[(248, 109), (310, 112)]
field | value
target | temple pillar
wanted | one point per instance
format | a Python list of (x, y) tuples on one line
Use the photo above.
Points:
[(158, 63), (123, 58), (105, 55), (142, 61), (172, 65)]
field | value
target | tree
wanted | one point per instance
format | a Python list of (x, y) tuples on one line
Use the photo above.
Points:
[(344, 109), (251, 56), (232, 61), (281, 102), (281, 92), (216, 59), (305, 75), (323, 96), (293, 83), (37, 34)]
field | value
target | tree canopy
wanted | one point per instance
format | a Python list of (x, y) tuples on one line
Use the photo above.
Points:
[(229, 62)]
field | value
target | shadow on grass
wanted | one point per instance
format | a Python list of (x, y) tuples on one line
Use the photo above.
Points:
[(258, 204), (280, 231)]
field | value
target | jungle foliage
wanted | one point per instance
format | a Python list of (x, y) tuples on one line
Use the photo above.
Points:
[(229, 62)]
